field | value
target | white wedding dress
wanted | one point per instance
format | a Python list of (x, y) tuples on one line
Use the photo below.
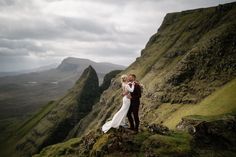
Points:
[(119, 118)]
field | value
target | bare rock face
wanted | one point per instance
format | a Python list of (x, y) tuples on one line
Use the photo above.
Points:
[(65, 114), (108, 79)]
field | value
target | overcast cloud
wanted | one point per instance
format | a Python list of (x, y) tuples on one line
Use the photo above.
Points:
[(40, 32)]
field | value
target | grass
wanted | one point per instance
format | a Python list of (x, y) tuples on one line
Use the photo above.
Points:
[(18, 130), (25, 127), (177, 143), (209, 118), (222, 101), (60, 149), (97, 147), (8, 127)]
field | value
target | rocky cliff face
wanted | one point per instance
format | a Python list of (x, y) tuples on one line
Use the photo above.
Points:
[(188, 68), (64, 115), (107, 79)]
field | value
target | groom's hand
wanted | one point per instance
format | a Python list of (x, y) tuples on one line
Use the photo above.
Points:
[(129, 96)]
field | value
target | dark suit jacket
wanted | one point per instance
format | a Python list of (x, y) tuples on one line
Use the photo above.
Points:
[(136, 94)]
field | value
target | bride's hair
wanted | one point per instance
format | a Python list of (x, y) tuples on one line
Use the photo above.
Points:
[(123, 78)]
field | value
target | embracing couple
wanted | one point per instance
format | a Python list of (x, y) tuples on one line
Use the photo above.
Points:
[(131, 92)]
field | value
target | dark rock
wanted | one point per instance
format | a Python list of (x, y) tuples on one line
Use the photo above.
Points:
[(158, 129), (107, 80), (219, 134)]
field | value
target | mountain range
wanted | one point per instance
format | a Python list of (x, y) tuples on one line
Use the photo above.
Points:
[(41, 68)]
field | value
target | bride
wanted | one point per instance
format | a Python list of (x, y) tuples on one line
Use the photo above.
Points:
[(119, 118)]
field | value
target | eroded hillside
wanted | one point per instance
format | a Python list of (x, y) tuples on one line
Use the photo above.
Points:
[(192, 55)]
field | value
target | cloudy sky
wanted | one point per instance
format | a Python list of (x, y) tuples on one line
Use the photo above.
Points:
[(34, 33)]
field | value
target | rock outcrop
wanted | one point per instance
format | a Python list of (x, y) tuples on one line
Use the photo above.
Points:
[(104, 86), (107, 79), (211, 135)]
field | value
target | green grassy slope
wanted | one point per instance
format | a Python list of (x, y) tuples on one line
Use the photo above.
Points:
[(19, 130), (220, 102)]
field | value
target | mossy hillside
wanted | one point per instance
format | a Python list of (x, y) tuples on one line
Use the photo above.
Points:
[(177, 144), (179, 65), (61, 149), (20, 130), (220, 102), (123, 143), (215, 136), (55, 126)]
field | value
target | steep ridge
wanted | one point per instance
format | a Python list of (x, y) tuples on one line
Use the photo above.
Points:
[(192, 55), (106, 83), (188, 68), (63, 116)]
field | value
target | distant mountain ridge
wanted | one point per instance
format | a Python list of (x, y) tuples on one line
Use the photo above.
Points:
[(79, 64), (41, 68)]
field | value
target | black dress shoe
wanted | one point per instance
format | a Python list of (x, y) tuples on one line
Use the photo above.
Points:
[(131, 129), (136, 130)]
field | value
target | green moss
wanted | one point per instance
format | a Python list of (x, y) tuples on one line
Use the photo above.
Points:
[(174, 145), (103, 140), (209, 118), (68, 148), (30, 123), (141, 136)]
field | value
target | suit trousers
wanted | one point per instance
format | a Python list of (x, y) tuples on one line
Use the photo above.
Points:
[(133, 115)]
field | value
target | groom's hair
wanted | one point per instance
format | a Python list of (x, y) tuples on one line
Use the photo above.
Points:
[(134, 76)]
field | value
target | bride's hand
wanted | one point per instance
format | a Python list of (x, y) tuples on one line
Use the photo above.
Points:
[(125, 93)]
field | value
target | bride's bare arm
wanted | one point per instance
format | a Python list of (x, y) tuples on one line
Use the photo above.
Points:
[(124, 91)]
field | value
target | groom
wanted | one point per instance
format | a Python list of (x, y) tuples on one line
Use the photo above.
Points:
[(135, 103)]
